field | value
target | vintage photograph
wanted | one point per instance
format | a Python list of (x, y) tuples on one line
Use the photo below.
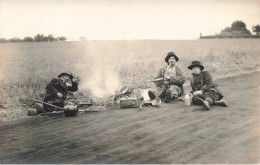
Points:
[(129, 82)]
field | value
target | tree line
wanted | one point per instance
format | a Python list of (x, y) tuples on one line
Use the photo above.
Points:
[(237, 29), (37, 38), (241, 26)]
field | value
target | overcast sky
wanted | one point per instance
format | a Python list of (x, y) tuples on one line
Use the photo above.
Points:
[(124, 19)]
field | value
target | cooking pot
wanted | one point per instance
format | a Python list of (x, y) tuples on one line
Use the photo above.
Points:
[(70, 110)]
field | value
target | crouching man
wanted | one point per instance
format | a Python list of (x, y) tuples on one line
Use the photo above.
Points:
[(172, 82), (57, 90), (204, 89)]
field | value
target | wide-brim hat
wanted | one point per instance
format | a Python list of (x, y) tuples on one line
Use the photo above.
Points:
[(66, 73), (124, 90), (171, 54), (196, 63)]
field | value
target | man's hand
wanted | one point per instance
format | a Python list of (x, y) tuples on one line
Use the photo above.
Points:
[(167, 77), (159, 83), (166, 80), (75, 80), (197, 93), (59, 94)]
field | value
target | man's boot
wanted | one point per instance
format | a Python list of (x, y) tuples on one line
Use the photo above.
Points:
[(168, 96), (221, 103), (156, 102), (151, 94), (205, 103)]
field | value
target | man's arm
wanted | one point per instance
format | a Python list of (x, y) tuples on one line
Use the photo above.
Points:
[(192, 86), (73, 87), (179, 78), (209, 83), (160, 74), (50, 87)]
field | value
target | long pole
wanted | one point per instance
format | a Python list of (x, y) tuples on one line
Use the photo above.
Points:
[(48, 104)]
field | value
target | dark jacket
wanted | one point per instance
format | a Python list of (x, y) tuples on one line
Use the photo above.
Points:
[(178, 80), (57, 85), (204, 82)]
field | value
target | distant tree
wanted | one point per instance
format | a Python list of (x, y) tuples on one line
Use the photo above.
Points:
[(247, 32), (256, 29), (82, 38), (238, 25), (61, 38), (3, 40), (45, 39), (39, 38), (15, 39), (227, 29), (51, 38), (28, 39)]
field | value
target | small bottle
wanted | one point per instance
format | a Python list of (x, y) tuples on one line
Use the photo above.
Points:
[(187, 99)]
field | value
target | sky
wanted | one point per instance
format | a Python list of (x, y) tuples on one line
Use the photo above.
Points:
[(124, 19)]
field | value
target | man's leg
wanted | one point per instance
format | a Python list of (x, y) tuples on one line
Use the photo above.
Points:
[(47, 108), (221, 102), (172, 92), (198, 100), (158, 92), (57, 102), (207, 99), (216, 98), (201, 100)]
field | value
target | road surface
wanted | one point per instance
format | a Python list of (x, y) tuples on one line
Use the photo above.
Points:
[(172, 133)]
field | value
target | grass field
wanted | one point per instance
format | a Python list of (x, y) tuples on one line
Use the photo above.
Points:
[(105, 66)]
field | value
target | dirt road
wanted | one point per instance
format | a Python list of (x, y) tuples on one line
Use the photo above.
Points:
[(172, 133)]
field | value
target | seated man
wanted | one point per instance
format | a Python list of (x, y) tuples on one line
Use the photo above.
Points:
[(172, 82), (57, 90), (204, 89)]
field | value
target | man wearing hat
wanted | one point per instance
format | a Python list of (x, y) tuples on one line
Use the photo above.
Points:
[(204, 89), (57, 90), (172, 82)]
